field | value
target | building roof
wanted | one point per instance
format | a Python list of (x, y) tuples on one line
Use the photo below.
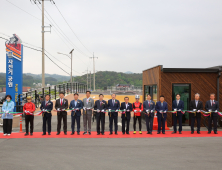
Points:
[(214, 69)]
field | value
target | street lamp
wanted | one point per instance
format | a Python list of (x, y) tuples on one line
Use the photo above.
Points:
[(71, 62)]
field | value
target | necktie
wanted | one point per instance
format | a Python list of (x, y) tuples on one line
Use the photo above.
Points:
[(211, 103), (177, 102), (61, 102), (149, 104), (113, 102), (162, 104), (100, 103)]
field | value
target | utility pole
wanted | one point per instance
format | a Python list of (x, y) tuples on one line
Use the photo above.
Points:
[(87, 80), (94, 81), (90, 80), (43, 38), (43, 48), (71, 65)]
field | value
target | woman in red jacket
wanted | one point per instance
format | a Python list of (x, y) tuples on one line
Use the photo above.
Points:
[(29, 109)]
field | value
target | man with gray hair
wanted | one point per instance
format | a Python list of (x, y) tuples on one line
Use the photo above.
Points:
[(88, 104), (196, 106)]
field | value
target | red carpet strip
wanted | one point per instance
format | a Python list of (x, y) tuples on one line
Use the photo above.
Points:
[(120, 135)]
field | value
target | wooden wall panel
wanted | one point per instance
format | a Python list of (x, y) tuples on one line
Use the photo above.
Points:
[(202, 83), (151, 77)]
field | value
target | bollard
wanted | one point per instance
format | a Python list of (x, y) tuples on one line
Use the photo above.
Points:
[(20, 123)]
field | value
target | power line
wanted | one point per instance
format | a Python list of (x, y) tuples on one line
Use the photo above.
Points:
[(72, 29)]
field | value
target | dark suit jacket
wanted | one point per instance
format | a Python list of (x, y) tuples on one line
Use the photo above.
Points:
[(63, 106), (129, 107), (163, 108), (49, 106), (116, 106), (213, 108), (193, 106), (147, 107), (79, 105), (102, 107), (180, 106)]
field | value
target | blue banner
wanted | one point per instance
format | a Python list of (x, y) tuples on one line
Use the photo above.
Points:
[(14, 67)]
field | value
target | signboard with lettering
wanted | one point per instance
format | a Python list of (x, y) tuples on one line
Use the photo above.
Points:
[(14, 67)]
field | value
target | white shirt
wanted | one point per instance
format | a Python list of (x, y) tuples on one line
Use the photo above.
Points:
[(87, 100), (211, 102), (178, 102), (126, 105), (196, 101)]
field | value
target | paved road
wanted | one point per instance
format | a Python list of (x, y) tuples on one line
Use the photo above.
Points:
[(109, 154)]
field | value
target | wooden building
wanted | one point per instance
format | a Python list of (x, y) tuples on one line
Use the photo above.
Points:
[(186, 81)]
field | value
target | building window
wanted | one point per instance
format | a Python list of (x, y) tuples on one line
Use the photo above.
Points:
[(152, 90)]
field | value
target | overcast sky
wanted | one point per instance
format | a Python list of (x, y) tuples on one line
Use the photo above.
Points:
[(125, 35)]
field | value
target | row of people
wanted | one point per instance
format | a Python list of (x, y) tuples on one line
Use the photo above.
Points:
[(113, 106)]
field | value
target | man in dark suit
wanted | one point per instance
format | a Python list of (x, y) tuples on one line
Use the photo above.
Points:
[(161, 108), (127, 107), (213, 107), (46, 107), (196, 106), (113, 106), (149, 108), (178, 106), (100, 108), (61, 105), (76, 105)]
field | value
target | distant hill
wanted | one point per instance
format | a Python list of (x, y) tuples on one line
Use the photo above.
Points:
[(129, 72), (103, 79), (111, 78)]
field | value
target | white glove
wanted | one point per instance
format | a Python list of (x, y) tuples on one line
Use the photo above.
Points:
[(109, 110), (151, 111), (103, 110), (117, 110), (88, 108), (215, 110), (98, 110), (7, 112), (140, 110), (127, 110), (179, 109), (63, 109), (194, 110), (164, 111), (175, 109), (84, 108), (135, 111), (58, 109), (77, 108), (124, 110), (198, 111), (161, 111), (147, 111), (209, 110), (73, 109)]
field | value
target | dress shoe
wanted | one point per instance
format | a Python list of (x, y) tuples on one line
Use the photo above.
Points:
[(116, 133), (192, 132), (98, 133), (148, 133), (89, 133), (209, 132), (180, 132), (49, 133), (151, 133), (163, 132), (43, 134), (102, 133), (58, 133), (110, 133), (174, 132), (198, 132), (84, 133), (215, 133), (127, 133), (65, 133), (72, 133), (78, 133), (158, 132), (26, 134), (124, 133), (31, 134)]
